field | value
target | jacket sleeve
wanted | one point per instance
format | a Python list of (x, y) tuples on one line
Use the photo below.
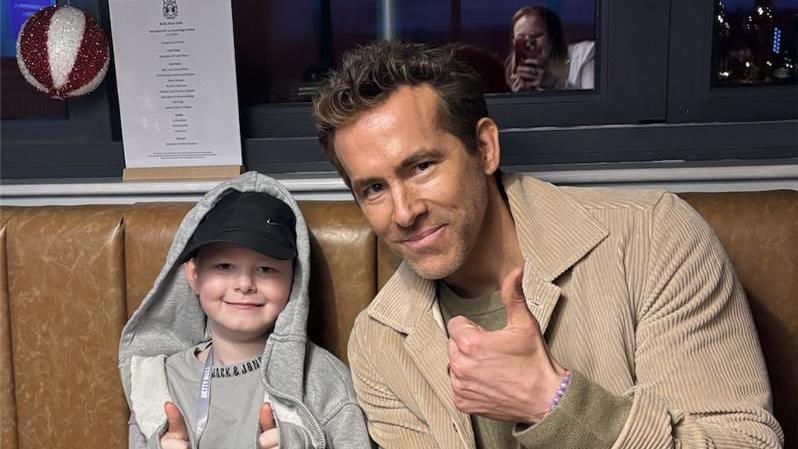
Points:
[(390, 423), (701, 378)]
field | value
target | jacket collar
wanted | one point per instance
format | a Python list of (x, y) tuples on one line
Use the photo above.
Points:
[(553, 229), (554, 232)]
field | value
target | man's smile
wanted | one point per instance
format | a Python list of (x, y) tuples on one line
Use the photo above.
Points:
[(423, 238)]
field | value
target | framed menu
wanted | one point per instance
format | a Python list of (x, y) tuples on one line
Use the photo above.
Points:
[(175, 70)]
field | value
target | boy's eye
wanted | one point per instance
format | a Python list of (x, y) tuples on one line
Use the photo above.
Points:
[(223, 266), (266, 269)]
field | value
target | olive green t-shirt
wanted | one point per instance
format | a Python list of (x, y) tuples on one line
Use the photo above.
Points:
[(576, 421), (488, 312)]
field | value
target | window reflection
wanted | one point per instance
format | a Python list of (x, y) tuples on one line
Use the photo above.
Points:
[(540, 57), (754, 42), (284, 61)]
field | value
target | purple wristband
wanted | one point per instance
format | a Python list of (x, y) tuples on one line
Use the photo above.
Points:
[(560, 390)]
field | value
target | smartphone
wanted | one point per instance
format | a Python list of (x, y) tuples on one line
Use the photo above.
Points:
[(519, 46)]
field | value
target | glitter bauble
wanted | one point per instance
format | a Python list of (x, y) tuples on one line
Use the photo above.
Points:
[(63, 52)]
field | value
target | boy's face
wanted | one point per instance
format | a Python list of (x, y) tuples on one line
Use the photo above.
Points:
[(241, 291)]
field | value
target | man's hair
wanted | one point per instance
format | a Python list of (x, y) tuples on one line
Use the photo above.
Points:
[(370, 74)]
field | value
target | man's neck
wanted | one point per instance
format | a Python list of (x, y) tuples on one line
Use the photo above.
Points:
[(229, 352), (496, 254)]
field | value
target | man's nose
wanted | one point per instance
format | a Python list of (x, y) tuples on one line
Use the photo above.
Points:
[(407, 206)]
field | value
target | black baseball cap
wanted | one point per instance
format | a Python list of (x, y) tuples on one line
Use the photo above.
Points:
[(254, 220)]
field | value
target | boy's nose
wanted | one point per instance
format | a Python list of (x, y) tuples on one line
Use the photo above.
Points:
[(245, 283)]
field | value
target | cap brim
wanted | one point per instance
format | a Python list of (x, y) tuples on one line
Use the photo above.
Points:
[(271, 246)]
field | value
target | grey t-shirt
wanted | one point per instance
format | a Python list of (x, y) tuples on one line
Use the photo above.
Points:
[(236, 397)]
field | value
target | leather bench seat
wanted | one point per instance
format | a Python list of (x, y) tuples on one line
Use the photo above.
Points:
[(71, 275)]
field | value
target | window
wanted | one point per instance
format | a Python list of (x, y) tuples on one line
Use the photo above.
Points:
[(19, 100), (656, 91), (49, 138)]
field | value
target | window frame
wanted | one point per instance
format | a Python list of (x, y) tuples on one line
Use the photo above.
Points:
[(691, 98)]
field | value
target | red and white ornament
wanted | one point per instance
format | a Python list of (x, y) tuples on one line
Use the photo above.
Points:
[(63, 52)]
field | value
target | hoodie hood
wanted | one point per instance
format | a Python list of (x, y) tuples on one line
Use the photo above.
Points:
[(170, 319)]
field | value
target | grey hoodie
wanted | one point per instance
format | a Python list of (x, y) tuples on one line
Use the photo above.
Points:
[(309, 389)]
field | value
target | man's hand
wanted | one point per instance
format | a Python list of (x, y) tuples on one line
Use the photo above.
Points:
[(176, 436), (269, 438), (507, 375)]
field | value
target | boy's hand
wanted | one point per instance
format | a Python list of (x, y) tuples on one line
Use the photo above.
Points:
[(269, 438), (176, 436)]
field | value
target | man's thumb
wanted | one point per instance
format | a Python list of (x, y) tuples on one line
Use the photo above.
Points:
[(513, 298), (266, 417), (176, 427)]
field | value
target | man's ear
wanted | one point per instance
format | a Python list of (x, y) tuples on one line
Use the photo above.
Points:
[(488, 144), (190, 268)]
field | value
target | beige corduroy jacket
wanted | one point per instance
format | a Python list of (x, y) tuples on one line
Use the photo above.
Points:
[(631, 288)]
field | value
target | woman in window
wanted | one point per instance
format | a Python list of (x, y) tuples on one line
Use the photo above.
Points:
[(540, 58)]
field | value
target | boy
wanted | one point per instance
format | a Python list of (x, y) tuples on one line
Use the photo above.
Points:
[(216, 354)]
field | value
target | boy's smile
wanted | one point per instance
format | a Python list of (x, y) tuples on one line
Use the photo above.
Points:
[(240, 290)]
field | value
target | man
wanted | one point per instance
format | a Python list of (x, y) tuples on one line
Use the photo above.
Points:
[(526, 314)]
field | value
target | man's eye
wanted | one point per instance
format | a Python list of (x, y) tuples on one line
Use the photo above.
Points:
[(372, 189), (423, 166)]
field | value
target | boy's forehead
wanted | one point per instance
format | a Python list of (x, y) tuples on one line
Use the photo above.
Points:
[(231, 250)]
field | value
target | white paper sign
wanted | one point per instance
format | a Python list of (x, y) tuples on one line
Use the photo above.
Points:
[(175, 70)]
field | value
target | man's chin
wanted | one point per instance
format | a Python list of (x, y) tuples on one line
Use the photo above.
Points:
[(431, 270)]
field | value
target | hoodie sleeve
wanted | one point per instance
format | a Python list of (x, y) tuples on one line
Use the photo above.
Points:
[(294, 436), (137, 440), (347, 429)]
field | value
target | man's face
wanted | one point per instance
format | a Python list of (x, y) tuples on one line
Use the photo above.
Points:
[(421, 190)]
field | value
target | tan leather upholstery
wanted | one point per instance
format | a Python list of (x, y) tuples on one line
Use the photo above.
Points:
[(149, 229), (67, 299), (343, 267), (70, 277), (8, 409)]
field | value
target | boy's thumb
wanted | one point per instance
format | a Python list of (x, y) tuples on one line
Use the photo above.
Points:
[(266, 417), (176, 427)]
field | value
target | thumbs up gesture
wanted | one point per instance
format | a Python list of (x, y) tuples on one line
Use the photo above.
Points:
[(176, 436), (507, 375), (269, 438)]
